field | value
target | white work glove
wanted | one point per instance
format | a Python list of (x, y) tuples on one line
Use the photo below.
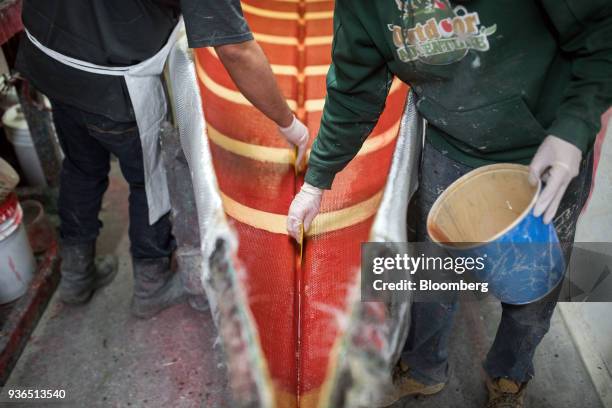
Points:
[(304, 207), (297, 134), (556, 163)]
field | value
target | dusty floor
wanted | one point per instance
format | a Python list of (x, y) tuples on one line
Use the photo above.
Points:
[(103, 357), (561, 380)]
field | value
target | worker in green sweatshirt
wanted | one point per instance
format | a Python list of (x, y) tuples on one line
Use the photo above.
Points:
[(522, 81)]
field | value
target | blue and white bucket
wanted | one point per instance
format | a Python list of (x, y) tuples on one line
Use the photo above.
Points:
[(488, 214)]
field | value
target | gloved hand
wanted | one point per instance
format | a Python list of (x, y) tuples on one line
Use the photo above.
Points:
[(556, 163), (304, 207), (297, 134)]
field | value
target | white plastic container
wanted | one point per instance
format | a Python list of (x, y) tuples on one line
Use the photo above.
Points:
[(17, 264), (10, 98), (18, 134)]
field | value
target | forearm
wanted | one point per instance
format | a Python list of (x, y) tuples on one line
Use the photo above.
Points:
[(348, 118), (251, 72), (340, 137)]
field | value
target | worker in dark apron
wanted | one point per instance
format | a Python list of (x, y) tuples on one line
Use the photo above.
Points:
[(99, 62), (520, 81)]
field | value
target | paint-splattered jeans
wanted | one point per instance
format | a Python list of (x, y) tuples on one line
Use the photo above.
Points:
[(521, 328), (88, 140)]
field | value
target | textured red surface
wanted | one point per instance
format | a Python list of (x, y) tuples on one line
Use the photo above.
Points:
[(296, 307), (10, 19), (8, 207), (270, 289)]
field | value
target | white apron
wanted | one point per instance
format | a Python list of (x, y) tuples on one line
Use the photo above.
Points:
[(149, 101)]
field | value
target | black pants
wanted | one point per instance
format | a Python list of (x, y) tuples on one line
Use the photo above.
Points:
[(521, 328), (88, 140)]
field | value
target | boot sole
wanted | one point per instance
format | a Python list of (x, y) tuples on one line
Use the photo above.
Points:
[(434, 389), (145, 311), (145, 315), (149, 313), (76, 300)]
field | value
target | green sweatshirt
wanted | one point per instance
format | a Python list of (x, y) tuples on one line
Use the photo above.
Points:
[(492, 77)]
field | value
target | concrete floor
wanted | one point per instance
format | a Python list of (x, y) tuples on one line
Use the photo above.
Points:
[(561, 379), (103, 357)]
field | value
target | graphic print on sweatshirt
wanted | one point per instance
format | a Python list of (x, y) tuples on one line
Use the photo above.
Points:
[(435, 33)]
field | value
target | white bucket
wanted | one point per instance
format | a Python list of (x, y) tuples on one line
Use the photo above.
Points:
[(18, 134), (17, 264), (9, 98)]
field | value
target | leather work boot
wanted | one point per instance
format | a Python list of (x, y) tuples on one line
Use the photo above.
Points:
[(505, 393), (83, 273), (404, 385), (156, 287)]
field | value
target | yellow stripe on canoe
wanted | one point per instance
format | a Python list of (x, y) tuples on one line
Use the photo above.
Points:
[(278, 155), (267, 221), (316, 105), (226, 93), (277, 69), (319, 40), (275, 39), (316, 70), (285, 15), (346, 217), (285, 40), (323, 223), (310, 105)]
